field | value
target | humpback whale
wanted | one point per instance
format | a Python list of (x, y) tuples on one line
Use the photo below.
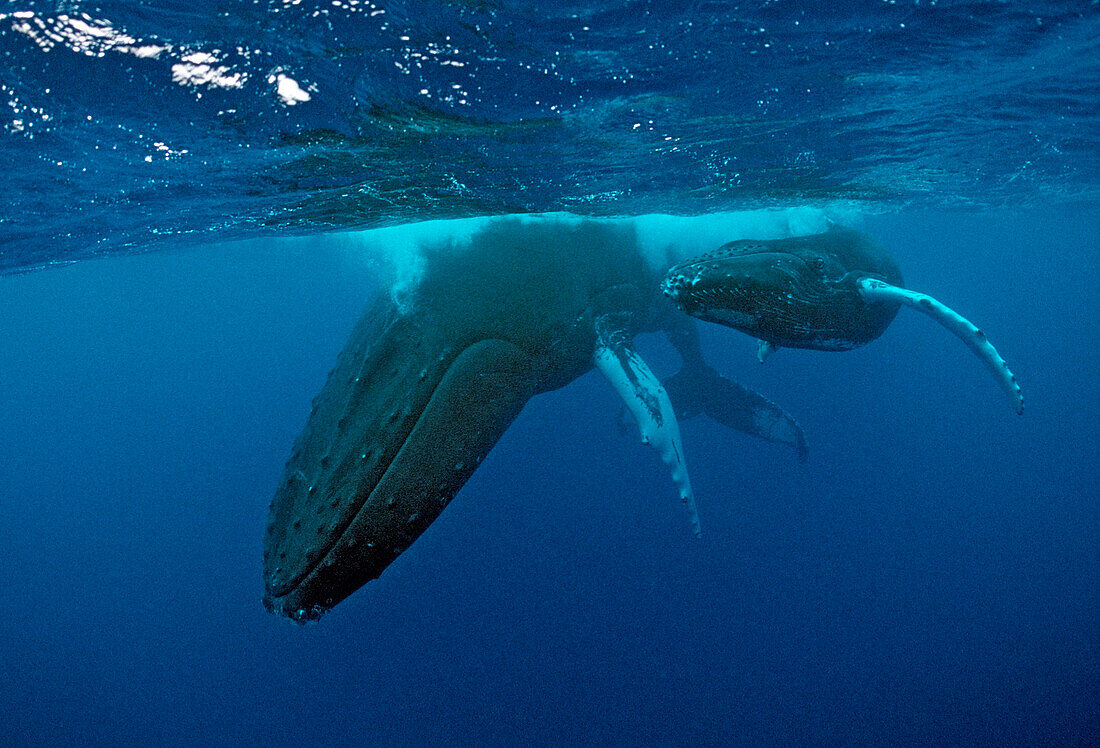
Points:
[(420, 395), (832, 291)]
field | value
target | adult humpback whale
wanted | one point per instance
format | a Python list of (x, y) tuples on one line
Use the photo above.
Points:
[(418, 397), (832, 291)]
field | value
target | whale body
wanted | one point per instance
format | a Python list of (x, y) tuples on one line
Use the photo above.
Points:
[(832, 291), (419, 396)]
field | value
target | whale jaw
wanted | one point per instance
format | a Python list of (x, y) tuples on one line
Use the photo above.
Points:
[(402, 423)]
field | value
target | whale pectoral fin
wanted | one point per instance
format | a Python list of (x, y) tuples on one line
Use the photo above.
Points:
[(734, 406), (648, 402), (872, 289)]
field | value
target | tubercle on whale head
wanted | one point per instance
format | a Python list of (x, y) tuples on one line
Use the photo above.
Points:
[(776, 296), (301, 615), (385, 452)]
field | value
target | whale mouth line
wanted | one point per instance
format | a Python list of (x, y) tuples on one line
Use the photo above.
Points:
[(421, 468), (276, 597)]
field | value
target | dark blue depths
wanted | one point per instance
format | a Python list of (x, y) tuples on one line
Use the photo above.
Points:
[(930, 576)]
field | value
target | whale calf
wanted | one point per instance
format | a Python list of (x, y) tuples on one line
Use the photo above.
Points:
[(832, 291)]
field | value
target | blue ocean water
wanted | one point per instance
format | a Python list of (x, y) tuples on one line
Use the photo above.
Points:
[(205, 172)]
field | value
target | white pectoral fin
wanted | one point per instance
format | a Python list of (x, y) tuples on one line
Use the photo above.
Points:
[(965, 330), (648, 402)]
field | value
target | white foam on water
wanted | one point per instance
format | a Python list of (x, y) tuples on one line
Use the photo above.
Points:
[(400, 249), (667, 239), (290, 93)]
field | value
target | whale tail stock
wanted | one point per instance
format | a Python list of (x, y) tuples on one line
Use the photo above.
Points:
[(698, 389)]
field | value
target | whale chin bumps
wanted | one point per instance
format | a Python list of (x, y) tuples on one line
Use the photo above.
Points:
[(830, 292)]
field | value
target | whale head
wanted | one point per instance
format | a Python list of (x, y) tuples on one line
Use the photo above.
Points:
[(798, 292)]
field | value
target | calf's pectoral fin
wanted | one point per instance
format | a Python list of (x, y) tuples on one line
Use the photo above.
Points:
[(872, 289)]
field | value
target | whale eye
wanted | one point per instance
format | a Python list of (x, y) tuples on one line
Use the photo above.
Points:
[(818, 263)]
